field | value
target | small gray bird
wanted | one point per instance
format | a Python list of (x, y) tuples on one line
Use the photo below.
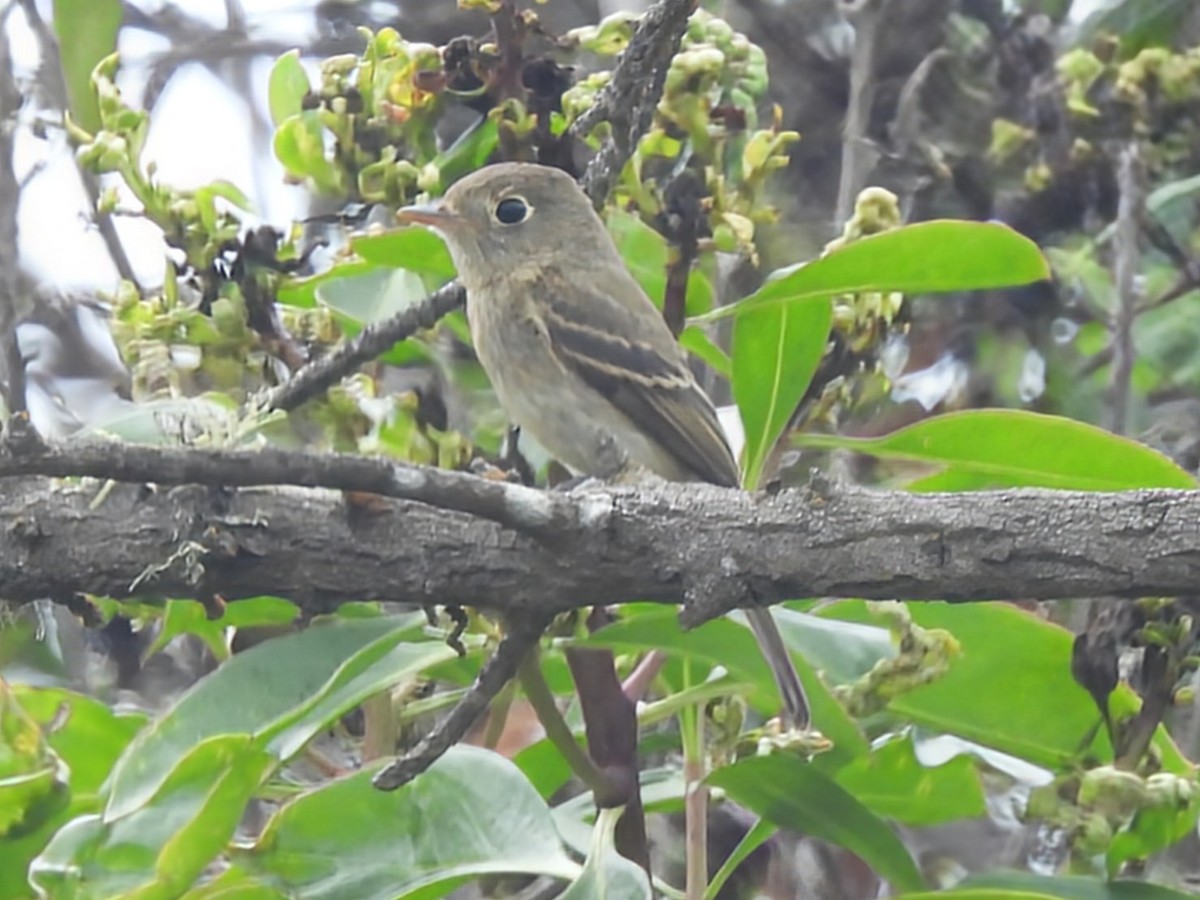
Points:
[(576, 352)]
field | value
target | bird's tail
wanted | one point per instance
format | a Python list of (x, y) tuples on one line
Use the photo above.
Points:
[(791, 691)]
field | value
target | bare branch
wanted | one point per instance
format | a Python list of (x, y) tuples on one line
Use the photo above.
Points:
[(712, 549), (1130, 212), (53, 79), (518, 507), (13, 371), (495, 674), (628, 100), (369, 343)]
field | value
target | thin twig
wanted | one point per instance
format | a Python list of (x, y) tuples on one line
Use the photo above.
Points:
[(369, 343), (1128, 255), (52, 79), (10, 264), (866, 16), (541, 698), (495, 674)]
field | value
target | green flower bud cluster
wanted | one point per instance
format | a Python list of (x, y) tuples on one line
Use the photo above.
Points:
[(192, 221), (1112, 815), (380, 109), (707, 119), (923, 655)]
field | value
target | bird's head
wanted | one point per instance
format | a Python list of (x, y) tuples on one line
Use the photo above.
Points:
[(513, 214)]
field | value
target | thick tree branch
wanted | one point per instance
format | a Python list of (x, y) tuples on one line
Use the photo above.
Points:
[(522, 508), (709, 548)]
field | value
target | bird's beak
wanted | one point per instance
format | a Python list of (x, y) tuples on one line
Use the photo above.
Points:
[(434, 215)]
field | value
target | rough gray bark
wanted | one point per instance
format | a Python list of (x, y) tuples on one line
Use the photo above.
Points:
[(712, 549)]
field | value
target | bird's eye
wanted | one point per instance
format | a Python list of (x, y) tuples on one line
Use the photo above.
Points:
[(512, 211)]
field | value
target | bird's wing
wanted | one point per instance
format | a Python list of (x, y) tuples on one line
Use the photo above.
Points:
[(638, 366)]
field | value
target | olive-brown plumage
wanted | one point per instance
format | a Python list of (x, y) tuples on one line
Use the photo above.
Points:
[(579, 356)]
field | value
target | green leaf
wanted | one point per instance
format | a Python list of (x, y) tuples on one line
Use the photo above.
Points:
[(776, 350), (287, 689), (302, 292), (695, 340), (87, 735), (792, 794), (729, 644), (300, 145), (1018, 885), (189, 617), (415, 249), (164, 845), (468, 153), (929, 257), (645, 252), (87, 33), (892, 783), (1138, 23), (372, 297), (1010, 688), (286, 87), (607, 873), (472, 813), (1154, 828), (1015, 448)]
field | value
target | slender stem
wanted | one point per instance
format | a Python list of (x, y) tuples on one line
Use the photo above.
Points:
[(691, 725), (541, 698), (498, 717), (1125, 243), (379, 727)]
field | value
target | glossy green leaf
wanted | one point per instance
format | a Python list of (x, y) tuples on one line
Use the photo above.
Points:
[(607, 873), (645, 252), (929, 257), (1011, 448), (892, 783), (696, 341), (286, 87), (287, 689), (416, 249), (1010, 688), (776, 351), (300, 145), (164, 845), (1138, 23), (87, 33), (372, 297), (725, 642), (792, 794), (1017, 885), (472, 813), (472, 149)]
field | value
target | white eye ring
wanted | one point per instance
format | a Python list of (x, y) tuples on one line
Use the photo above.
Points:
[(512, 210)]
